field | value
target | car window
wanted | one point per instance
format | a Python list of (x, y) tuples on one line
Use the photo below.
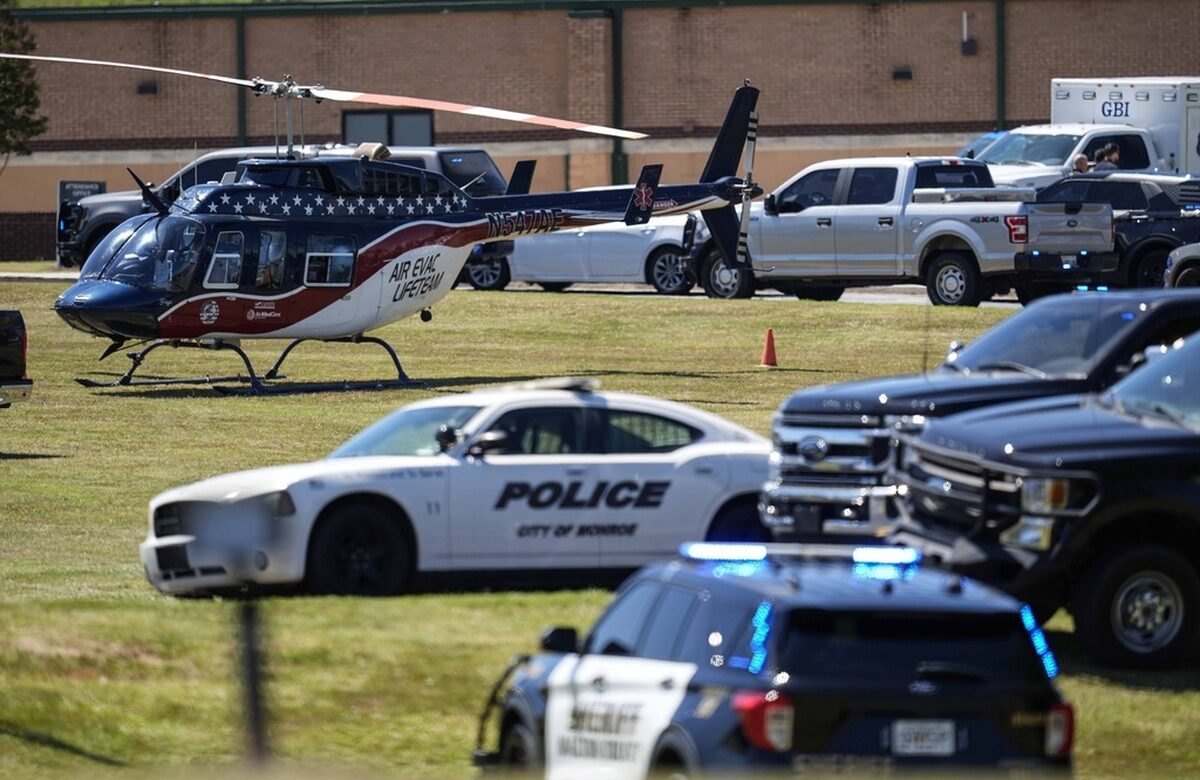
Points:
[(1068, 191), (1169, 331), (1120, 194), (877, 645), (674, 611), (226, 267), (618, 631), (329, 261), (815, 189), (636, 432), (1133, 152), (938, 176), (872, 186), (543, 431), (717, 635)]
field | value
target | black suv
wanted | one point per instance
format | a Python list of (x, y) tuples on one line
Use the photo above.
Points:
[(832, 444), (788, 657), (1089, 502)]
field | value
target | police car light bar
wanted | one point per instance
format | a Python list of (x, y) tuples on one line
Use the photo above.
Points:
[(732, 551)]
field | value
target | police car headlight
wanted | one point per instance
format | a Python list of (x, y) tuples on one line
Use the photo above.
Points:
[(1033, 533), (775, 467)]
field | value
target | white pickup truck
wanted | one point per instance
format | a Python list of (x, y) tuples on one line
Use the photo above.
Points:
[(889, 220), (1039, 155)]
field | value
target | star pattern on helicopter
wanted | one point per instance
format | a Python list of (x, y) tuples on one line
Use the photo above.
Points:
[(212, 200)]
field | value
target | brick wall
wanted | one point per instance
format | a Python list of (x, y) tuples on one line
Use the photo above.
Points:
[(26, 236)]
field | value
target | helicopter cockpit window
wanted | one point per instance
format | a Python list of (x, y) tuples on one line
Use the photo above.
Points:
[(267, 176), (160, 255), (225, 270), (272, 252), (329, 261)]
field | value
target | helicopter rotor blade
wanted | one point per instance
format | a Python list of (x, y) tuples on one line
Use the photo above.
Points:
[(399, 101), (289, 88), (130, 66)]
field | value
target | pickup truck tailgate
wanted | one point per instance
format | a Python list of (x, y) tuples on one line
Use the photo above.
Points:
[(1070, 228)]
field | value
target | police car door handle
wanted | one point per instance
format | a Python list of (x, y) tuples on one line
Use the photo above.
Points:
[(704, 469), (667, 684), (576, 471)]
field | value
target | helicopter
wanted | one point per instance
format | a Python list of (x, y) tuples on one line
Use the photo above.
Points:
[(328, 248)]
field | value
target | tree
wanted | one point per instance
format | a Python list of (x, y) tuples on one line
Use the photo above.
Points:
[(19, 103)]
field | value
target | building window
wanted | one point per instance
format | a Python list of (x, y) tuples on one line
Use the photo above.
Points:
[(394, 128)]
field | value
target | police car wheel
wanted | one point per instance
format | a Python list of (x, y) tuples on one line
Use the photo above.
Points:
[(1137, 607), (953, 280), (490, 274), (519, 748), (738, 522), (1151, 269), (356, 551)]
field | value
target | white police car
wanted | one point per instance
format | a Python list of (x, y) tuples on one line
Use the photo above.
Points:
[(541, 477), (826, 658)]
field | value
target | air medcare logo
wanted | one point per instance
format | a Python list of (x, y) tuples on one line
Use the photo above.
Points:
[(209, 312)]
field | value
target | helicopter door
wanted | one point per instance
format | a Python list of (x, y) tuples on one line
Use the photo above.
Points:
[(329, 266)]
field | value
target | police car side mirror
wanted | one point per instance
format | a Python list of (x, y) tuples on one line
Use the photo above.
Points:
[(490, 441), (770, 206), (560, 639), (447, 437)]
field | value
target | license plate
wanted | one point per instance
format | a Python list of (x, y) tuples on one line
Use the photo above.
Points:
[(923, 737), (1070, 260)]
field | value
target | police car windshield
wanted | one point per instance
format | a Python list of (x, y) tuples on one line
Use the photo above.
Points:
[(406, 432), (160, 255), (1023, 148), (1060, 337), (903, 646), (1164, 389)]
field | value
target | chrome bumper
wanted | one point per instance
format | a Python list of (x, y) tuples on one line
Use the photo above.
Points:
[(808, 510)]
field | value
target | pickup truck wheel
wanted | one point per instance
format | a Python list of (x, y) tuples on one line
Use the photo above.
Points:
[(724, 281), (1137, 607), (357, 551), (554, 286), (818, 293), (490, 274), (668, 272), (1151, 269), (953, 280)]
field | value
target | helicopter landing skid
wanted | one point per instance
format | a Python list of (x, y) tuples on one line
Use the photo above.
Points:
[(128, 380), (254, 384)]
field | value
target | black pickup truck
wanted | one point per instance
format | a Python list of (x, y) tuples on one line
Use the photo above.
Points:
[(832, 444), (1086, 502), (1153, 214), (15, 384)]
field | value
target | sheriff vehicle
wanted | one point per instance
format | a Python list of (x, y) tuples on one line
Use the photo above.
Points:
[(546, 477), (787, 657)]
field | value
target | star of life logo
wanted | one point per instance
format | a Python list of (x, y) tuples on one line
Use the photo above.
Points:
[(643, 196)]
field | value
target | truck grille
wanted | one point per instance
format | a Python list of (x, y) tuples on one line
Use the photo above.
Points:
[(956, 492), (832, 449)]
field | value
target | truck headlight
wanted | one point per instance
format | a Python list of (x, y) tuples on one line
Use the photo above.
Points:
[(1034, 533), (1045, 496), (774, 467)]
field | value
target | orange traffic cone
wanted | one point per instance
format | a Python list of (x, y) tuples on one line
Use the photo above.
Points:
[(768, 355)]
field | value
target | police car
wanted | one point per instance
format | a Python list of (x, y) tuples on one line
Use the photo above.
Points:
[(787, 657), (549, 476)]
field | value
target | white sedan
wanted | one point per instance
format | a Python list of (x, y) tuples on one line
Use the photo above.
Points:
[(541, 477), (651, 254)]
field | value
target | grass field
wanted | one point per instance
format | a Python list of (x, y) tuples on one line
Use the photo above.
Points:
[(98, 674)]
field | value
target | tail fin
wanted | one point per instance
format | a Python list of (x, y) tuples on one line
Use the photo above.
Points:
[(522, 178), (641, 203), (724, 226), (727, 150)]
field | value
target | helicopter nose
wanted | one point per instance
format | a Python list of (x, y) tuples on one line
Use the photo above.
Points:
[(111, 309)]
